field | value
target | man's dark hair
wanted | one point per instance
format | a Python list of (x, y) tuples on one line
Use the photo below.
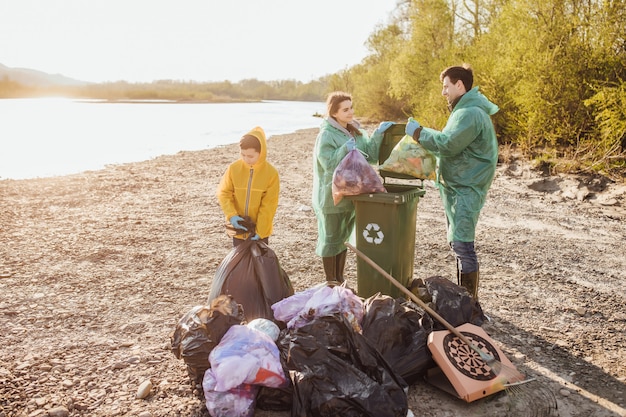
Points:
[(249, 141), (456, 73)]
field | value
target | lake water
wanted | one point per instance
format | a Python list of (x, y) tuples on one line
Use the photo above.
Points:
[(50, 137)]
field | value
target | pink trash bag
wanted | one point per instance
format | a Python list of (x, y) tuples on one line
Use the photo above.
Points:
[(354, 176)]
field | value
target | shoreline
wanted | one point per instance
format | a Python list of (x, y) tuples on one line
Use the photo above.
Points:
[(111, 165), (67, 137)]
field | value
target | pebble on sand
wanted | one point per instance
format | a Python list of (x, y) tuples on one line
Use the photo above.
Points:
[(144, 389)]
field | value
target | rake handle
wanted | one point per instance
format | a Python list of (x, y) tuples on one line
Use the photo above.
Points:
[(413, 297)]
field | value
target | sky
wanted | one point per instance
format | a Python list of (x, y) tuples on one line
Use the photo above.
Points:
[(188, 40)]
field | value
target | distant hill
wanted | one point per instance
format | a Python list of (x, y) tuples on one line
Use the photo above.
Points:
[(34, 78)]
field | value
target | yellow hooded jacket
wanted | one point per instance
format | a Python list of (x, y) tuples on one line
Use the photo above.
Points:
[(251, 190)]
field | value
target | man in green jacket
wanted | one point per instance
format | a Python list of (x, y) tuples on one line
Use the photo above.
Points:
[(467, 153)]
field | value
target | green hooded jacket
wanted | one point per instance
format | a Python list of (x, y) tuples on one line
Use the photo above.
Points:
[(330, 149), (467, 154)]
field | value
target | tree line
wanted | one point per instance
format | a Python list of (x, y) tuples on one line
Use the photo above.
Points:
[(556, 69), (171, 90)]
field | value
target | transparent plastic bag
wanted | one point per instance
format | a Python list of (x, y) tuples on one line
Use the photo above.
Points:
[(246, 356), (239, 401), (354, 176), (320, 300), (410, 158)]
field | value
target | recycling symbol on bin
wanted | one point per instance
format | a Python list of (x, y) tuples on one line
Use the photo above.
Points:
[(373, 234)]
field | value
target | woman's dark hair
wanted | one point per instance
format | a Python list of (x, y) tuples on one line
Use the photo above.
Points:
[(456, 73), (249, 141), (333, 101)]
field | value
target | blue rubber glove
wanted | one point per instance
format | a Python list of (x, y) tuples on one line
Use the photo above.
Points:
[(235, 222), (384, 126), (351, 144), (256, 237), (411, 127)]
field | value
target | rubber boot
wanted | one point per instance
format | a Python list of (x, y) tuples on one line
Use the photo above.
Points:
[(340, 263), (330, 268), (470, 282)]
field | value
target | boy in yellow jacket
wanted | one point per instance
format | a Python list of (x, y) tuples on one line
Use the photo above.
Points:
[(249, 188)]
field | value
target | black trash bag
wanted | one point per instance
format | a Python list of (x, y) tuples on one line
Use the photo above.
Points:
[(200, 330), (335, 371), (399, 330), (453, 303), (275, 399), (278, 399), (252, 275)]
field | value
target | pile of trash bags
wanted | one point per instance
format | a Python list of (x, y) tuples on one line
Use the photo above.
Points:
[(325, 350)]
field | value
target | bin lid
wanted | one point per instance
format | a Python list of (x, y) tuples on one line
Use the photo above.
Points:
[(391, 137)]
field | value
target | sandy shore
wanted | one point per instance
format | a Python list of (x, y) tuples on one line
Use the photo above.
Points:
[(97, 268)]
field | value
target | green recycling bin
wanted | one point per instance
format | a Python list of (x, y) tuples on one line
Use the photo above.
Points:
[(385, 227), (385, 233)]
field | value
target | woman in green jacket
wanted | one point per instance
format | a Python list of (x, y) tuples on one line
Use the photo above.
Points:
[(339, 133)]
